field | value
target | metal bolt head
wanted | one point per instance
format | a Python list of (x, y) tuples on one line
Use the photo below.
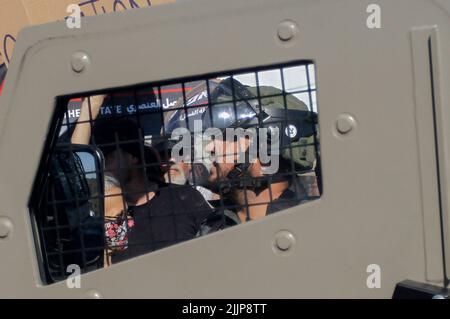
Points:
[(79, 62), (287, 30), (6, 227), (439, 297), (345, 123), (93, 294), (284, 241)]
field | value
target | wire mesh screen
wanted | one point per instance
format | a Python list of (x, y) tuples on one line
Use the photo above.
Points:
[(139, 169)]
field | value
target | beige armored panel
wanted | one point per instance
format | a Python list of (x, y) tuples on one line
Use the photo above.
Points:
[(374, 73)]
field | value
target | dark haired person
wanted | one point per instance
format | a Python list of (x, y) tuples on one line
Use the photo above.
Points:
[(162, 215), (250, 190)]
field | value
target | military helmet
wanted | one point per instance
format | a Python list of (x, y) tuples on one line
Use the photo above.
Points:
[(230, 104)]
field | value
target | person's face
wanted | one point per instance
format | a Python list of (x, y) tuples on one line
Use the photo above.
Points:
[(225, 155), (177, 172), (120, 164)]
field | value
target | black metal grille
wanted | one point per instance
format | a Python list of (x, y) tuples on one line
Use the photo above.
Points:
[(131, 189)]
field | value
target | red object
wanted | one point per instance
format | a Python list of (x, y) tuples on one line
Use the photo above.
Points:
[(175, 90), (155, 92)]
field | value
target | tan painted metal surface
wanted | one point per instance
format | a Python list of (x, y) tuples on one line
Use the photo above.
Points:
[(380, 203)]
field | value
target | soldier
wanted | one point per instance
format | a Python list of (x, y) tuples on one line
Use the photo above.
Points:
[(247, 191)]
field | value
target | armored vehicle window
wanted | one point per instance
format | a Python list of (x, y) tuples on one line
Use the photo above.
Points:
[(134, 170)]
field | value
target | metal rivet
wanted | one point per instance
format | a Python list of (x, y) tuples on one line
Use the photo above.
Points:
[(284, 240), (79, 62), (6, 227), (93, 294), (345, 123), (287, 30)]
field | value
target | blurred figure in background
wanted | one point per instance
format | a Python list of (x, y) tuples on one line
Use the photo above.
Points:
[(162, 215)]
